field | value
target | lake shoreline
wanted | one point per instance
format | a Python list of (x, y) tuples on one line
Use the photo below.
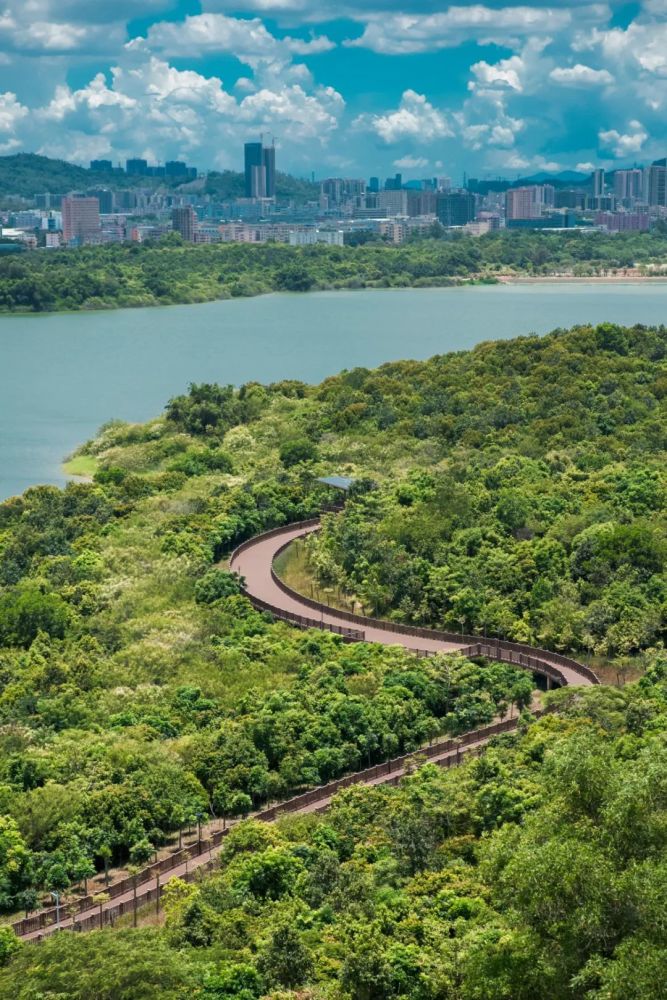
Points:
[(448, 284), (64, 377)]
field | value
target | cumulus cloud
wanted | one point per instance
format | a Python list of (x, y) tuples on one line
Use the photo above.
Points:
[(581, 76), (411, 33), (411, 163), (624, 144), (642, 45), (248, 39), (415, 118), (11, 112)]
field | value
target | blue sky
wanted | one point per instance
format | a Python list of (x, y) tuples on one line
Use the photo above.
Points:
[(348, 89)]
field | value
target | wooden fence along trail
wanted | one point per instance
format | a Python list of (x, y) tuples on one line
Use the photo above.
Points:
[(254, 560)]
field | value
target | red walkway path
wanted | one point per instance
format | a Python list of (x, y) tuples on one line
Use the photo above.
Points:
[(254, 561)]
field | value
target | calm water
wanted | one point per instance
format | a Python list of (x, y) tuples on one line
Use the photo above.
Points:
[(62, 376)]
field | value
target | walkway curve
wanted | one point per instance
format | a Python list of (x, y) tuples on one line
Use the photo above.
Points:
[(254, 561)]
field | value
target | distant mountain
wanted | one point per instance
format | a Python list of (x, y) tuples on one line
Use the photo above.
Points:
[(27, 174), (564, 178)]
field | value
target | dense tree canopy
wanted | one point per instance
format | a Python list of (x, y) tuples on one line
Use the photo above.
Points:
[(517, 488), (170, 271)]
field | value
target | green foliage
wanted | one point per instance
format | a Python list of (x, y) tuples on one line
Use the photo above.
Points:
[(216, 585), (171, 271), (407, 892), (26, 612), (295, 452), (517, 488), (545, 518)]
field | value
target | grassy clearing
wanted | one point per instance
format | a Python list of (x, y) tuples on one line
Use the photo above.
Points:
[(84, 466)]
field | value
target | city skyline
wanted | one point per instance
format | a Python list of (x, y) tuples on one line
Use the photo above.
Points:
[(416, 87)]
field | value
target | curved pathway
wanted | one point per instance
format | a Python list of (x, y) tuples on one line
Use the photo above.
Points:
[(254, 562)]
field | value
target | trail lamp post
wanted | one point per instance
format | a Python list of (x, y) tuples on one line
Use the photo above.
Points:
[(56, 896)]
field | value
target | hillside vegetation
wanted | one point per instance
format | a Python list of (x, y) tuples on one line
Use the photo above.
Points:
[(28, 174), (169, 271), (522, 482)]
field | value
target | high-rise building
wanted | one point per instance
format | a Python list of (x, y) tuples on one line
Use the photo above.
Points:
[(341, 190), (136, 167), (522, 203), (260, 170), (374, 185), (393, 202), (655, 186), (184, 221), (105, 165), (628, 184), (175, 168), (255, 171), (421, 203), (270, 170), (81, 220), (394, 183), (598, 183), (455, 208), (569, 198), (529, 202), (105, 198)]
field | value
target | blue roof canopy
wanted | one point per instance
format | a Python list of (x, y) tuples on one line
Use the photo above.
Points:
[(337, 482)]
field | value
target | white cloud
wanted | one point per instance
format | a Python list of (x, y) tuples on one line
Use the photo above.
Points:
[(11, 112), (411, 163), (506, 73), (581, 76), (415, 118), (642, 46), (624, 144), (248, 39), (585, 168), (410, 33)]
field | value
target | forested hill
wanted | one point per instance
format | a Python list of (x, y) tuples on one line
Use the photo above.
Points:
[(27, 174), (169, 271), (518, 488)]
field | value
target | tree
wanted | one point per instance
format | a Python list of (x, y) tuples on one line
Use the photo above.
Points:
[(25, 613), (15, 863), (9, 945), (285, 960), (216, 585), (296, 451)]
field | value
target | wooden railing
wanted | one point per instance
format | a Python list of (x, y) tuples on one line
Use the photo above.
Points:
[(448, 751)]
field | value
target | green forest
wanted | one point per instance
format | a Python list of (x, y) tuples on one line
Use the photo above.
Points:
[(25, 175), (518, 488), (168, 271)]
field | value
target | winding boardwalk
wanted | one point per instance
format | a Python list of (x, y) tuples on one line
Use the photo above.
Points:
[(254, 561)]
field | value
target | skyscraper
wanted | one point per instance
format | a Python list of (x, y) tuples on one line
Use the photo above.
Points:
[(455, 208), (81, 220), (598, 183), (260, 170), (184, 221), (269, 155), (655, 185), (136, 167), (628, 184)]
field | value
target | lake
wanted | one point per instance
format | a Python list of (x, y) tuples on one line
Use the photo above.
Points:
[(62, 376)]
